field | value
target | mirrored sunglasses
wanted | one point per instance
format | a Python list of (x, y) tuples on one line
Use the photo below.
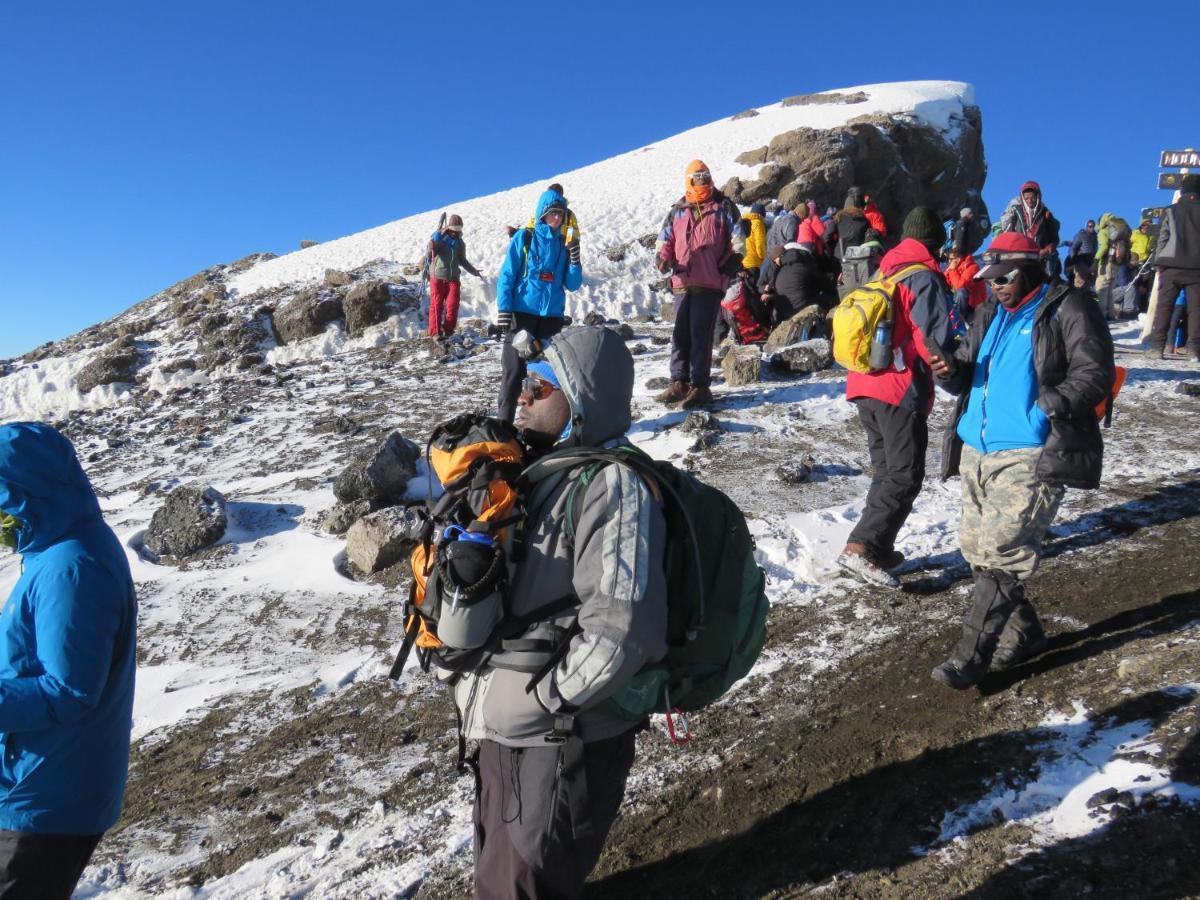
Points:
[(536, 388), (702, 177), (1002, 280)]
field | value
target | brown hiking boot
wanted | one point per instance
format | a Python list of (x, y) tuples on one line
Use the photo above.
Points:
[(675, 392), (697, 396), (856, 559)]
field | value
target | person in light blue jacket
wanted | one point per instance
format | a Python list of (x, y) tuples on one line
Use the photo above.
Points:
[(67, 661), (540, 266)]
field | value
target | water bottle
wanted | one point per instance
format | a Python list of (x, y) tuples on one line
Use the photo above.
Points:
[(881, 347)]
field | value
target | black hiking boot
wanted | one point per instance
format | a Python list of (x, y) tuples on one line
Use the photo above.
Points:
[(995, 599), (1022, 638)]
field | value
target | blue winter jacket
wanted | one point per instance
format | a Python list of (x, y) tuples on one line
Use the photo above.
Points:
[(1002, 412), (67, 646), (535, 283)]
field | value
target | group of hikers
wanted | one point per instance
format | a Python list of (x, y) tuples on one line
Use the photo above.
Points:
[(565, 561)]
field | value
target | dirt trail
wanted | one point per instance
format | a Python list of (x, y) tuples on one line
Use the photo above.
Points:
[(839, 797)]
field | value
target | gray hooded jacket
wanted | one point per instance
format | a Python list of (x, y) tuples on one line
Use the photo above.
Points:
[(614, 566)]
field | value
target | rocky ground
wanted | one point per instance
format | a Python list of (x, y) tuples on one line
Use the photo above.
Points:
[(838, 767)]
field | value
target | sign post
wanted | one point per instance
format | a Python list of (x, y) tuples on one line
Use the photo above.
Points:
[(1185, 161)]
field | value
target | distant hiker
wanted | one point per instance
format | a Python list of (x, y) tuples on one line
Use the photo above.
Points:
[(67, 661), (1081, 257), (538, 268), (553, 760), (1177, 258), (782, 232), (1141, 243), (1113, 271), (756, 237), (969, 293), (798, 281), (966, 235), (815, 231), (701, 246), (845, 234), (874, 216), (894, 404), (1026, 214), (448, 255), (1029, 377)]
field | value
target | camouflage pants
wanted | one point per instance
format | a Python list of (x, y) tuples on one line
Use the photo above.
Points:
[(1005, 510)]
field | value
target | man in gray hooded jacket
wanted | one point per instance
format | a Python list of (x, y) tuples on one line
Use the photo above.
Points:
[(552, 761)]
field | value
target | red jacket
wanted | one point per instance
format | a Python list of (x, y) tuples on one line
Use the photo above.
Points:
[(961, 276), (922, 311), (875, 218)]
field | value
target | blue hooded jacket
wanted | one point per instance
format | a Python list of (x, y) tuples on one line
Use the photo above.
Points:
[(536, 285), (67, 646)]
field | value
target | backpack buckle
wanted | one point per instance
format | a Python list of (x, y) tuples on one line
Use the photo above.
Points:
[(564, 728)]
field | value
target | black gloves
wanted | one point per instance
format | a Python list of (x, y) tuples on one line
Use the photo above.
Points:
[(504, 322), (573, 251)]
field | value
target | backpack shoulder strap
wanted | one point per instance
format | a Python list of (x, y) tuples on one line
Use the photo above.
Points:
[(526, 241)]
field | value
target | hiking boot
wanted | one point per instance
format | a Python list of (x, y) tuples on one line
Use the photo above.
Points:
[(1021, 640), (856, 559), (697, 396), (675, 392), (891, 561), (997, 594)]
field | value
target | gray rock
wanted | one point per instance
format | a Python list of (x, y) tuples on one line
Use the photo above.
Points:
[(339, 519), (336, 278), (382, 538), (700, 421), (649, 240), (306, 315), (117, 364), (796, 471), (616, 253), (191, 519), (826, 98), (365, 305), (742, 365), (379, 472), (304, 245), (793, 330), (744, 114), (1188, 388), (594, 318), (624, 330), (637, 349), (803, 358), (658, 384)]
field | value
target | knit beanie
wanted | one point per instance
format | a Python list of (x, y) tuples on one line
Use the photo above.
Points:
[(923, 225)]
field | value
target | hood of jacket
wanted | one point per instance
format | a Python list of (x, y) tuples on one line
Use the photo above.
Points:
[(909, 252), (595, 369), (43, 485), (546, 201)]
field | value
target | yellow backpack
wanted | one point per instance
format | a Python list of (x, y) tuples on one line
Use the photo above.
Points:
[(863, 322)]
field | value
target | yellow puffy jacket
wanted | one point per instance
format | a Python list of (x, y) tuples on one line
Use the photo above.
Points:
[(756, 241), (1141, 245)]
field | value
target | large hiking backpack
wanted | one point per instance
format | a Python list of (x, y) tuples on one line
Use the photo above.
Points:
[(741, 315), (862, 313), (470, 535), (716, 599)]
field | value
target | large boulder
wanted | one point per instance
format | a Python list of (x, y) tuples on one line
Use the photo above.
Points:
[(742, 365), (306, 315), (191, 519), (793, 330), (379, 472), (116, 364), (365, 305), (383, 538), (899, 160), (803, 358)]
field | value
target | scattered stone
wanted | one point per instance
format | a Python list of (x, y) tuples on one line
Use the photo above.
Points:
[(306, 315), (825, 98), (643, 318), (637, 349), (744, 114), (380, 539), (249, 361), (594, 318), (804, 358), (304, 245), (378, 473), (336, 278), (624, 330), (649, 240), (699, 421), (365, 305), (117, 364), (742, 365), (339, 519), (191, 519), (793, 330), (1188, 388), (796, 471), (658, 384), (336, 424), (616, 253), (659, 340)]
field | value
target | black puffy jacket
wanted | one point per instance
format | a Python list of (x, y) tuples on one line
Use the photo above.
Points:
[(1073, 358), (1179, 235)]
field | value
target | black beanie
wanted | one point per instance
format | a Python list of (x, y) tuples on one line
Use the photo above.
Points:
[(1190, 183), (923, 225)]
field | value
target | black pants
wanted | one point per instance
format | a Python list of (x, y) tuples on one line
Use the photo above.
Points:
[(542, 815), (692, 336), (512, 367), (1170, 283), (42, 866), (896, 439)]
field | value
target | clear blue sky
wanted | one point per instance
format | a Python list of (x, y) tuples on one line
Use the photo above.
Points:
[(143, 141)]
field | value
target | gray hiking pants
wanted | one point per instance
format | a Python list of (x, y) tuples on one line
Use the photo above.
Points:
[(542, 815), (1005, 510)]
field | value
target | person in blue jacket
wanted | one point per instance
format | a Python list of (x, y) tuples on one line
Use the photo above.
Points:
[(67, 661), (540, 266)]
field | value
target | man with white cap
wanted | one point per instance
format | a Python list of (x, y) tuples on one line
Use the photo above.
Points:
[(1029, 377)]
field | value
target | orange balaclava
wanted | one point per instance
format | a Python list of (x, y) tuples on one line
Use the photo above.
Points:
[(697, 193)]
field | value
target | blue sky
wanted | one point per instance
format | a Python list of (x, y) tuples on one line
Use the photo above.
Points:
[(141, 142)]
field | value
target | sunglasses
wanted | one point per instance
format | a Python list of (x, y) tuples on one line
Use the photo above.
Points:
[(537, 388), (1002, 280), (702, 177)]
